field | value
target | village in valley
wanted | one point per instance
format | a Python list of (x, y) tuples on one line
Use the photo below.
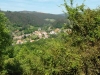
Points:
[(36, 35)]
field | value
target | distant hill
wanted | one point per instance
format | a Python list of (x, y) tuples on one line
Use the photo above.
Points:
[(32, 17)]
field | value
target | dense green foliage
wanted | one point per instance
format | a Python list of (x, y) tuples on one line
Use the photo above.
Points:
[(85, 22), (76, 53), (43, 57), (85, 35), (4, 36), (5, 39)]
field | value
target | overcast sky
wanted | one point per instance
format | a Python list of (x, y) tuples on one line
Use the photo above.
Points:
[(46, 6)]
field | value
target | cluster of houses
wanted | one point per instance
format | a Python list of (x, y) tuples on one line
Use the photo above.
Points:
[(41, 34)]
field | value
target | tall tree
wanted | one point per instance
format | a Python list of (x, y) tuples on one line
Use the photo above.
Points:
[(5, 39), (85, 22), (85, 35)]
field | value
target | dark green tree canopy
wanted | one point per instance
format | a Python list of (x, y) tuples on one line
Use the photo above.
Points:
[(4, 33)]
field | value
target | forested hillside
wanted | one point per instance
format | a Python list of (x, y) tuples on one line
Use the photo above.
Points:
[(32, 18), (23, 20), (71, 49)]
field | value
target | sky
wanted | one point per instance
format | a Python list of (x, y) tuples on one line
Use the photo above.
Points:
[(45, 6)]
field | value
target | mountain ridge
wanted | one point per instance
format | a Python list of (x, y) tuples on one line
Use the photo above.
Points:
[(32, 17)]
